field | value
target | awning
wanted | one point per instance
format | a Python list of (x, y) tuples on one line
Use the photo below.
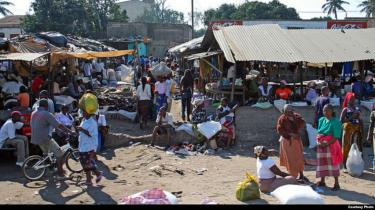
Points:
[(192, 44), (56, 56), (202, 55), (270, 43), (28, 57)]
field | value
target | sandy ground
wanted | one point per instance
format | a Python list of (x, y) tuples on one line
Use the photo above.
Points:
[(127, 171)]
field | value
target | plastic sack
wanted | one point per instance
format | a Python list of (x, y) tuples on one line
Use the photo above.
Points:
[(187, 127), (55, 38), (129, 115), (89, 103), (312, 133), (248, 189), (279, 104), (355, 164), (153, 196), (265, 105), (209, 129), (297, 194)]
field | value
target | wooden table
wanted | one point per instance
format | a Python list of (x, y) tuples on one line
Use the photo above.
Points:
[(213, 92)]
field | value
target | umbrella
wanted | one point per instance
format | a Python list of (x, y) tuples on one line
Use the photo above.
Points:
[(161, 70)]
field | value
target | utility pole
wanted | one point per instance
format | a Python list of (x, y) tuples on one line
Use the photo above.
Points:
[(192, 18)]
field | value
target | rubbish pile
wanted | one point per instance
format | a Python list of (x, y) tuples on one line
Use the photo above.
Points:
[(116, 99)]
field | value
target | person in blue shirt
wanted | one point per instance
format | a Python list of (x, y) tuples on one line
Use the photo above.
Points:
[(368, 86), (88, 144), (357, 87)]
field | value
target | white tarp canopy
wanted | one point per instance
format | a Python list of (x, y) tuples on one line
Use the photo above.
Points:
[(273, 44), (21, 56)]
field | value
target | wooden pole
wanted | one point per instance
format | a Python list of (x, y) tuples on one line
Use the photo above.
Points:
[(49, 75), (325, 70), (234, 83), (301, 76), (362, 78)]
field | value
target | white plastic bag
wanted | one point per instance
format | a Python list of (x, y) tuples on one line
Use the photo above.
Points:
[(265, 105), (187, 127), (312, 133), (153, 196), (209, 129), (355, 164), (296, 194), (279, 104)]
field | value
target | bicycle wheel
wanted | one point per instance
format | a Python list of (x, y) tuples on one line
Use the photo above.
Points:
[(30, 172), (72, 162)]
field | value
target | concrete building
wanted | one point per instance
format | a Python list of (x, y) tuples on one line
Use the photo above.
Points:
[(135, 8), (162, 36), (10, 26)]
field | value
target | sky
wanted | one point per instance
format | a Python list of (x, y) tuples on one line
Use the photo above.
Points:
[(306, 8)]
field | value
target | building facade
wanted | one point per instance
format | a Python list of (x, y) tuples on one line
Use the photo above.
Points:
[(135, 8), (161, 36), (10, 26)]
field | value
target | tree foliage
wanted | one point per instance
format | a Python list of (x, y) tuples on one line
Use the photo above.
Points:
[(78, 17), (333, 6), (159, 13), (368, 7), (3, 8), (321, 18), (251, 11)]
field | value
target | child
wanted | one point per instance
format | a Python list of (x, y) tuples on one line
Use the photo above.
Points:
[(88, 144), (225, 115), (267, 171)]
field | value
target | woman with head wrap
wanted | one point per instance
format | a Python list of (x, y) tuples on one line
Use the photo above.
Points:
[(267, 171), (289, 127), (352, 125)]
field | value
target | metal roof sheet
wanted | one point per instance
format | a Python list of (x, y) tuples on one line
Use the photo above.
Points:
[(187, 45), (21, 56), (274, 44), (202, 55)]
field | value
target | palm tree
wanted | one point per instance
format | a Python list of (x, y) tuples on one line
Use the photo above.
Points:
[(332, 6), (3, 10), (368, 7)]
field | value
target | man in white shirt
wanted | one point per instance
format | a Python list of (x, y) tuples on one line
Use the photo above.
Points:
[(164, 126), (8, 137)]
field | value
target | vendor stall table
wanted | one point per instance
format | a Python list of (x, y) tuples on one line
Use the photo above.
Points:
[(214, 92)]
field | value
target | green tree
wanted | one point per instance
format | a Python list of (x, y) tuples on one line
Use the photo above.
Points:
[(159, 13), (78, 17), (333, 6), (368, 7), (118, 15), (251, 11), (321, 18), (3, 8)]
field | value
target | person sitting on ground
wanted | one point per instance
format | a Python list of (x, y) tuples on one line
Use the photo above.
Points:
[(24, 97), (283, 92), (265, 90), (225, 115), (267, 172), (88, 144), (199, 115), (44, 95), (311, 95), (8, 136), (41, 122), (164, 125)]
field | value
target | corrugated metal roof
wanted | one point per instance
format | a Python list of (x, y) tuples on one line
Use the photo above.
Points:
[(202, 55), (187, 45), (21, 56), (273, 44), (224, 46)]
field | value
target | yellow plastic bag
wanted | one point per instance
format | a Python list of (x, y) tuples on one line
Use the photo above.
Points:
[(248, 189), (89, 103)]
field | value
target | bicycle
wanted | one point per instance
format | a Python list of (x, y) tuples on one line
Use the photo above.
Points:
[(35, 167)]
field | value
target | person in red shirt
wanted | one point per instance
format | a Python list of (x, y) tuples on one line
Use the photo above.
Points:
[(37, 84), (283, 92)]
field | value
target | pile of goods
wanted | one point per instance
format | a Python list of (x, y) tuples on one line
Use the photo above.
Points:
[(117, 99)]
